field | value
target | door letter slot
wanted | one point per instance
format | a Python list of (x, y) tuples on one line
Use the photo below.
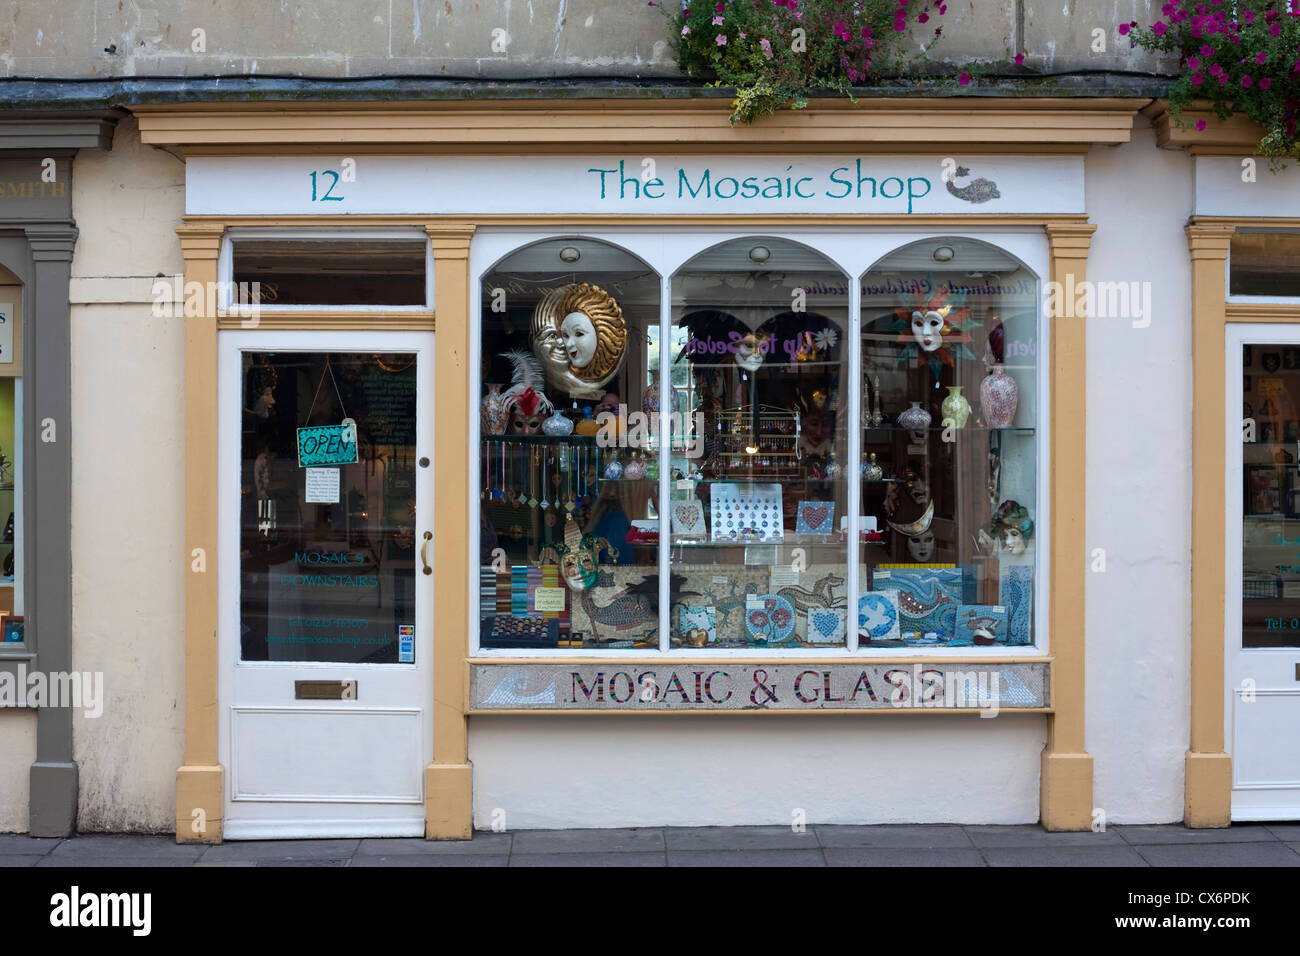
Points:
[(325, 690)]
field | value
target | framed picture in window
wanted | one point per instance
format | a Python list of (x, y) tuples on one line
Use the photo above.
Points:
[(1263, 490), (12, 627)]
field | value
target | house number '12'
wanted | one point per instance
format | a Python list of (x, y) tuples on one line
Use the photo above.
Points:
[(327, 197)]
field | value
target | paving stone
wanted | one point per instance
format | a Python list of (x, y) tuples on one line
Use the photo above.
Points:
[(487, 843), (299, 861), (1118, 855), (1176, 833), (18, 859), (227, 863), (77, 862), (1035, 836), (127, 847), (745, 857), (739, 838), (892, 836), (1221, 854), (893, 856), (18, 843), (588, 841), (587, 859), (1283, 831), (281, 849), (435, 859)]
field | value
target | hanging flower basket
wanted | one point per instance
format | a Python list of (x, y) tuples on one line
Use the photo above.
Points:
[(779, 52), (1240, 58)]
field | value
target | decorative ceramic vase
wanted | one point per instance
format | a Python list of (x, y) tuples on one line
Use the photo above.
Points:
[(650, 399), (870, 470), (634, 470), (613, 469), (588, 426), (999, 395), (832, 469), (652, 467), (915, 418), (955, 407), (495, 413), (557, 426)]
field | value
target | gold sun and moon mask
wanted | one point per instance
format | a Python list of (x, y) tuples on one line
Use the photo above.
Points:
[(580, 337)]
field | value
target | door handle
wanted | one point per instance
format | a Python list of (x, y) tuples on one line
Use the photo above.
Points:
[(423, 557)]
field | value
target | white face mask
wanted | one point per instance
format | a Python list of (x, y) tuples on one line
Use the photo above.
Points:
[(921, 548), (1015, 541), (927, 329), (579, 339)]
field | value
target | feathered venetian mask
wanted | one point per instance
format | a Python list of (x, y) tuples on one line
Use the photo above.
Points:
[(577, 557), (934, 331)]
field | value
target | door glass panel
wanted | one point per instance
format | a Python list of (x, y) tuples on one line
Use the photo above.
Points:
[(1270, 538), (327, 507)]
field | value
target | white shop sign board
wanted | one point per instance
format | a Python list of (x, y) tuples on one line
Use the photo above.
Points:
[(1222, 191), (633, 184)]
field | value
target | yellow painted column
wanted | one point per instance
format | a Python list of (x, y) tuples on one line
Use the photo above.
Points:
[(448, 781), (1065, 795), (199, 783), (1207, 797)]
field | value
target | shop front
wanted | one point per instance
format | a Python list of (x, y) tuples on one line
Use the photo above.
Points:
[(761, 436), (37, 237), (1244, 238)]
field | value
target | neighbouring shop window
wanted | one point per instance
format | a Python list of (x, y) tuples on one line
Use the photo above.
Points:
[(1264, 263), (950, 363), (305, 272), (1270, 559), (11, 459), (327, 506), (760, 469), (569, 508)]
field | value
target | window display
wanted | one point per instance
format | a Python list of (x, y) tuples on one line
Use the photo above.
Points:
[(954, 482), (569, 499), (832, 479), (759, 360)]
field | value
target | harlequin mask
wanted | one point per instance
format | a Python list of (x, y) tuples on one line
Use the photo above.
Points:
[(577, 556), (524, 424)]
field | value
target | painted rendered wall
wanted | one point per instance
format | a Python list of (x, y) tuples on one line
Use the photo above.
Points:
[(453, 38), (1140, 408), (17, 751), (695, 771), (128, 504)]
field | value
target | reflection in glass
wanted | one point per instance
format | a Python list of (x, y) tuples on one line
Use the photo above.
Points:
[(1270, 559), (327, 552)]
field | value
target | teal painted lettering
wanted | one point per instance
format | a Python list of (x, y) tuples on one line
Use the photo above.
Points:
[(624, 179), (800, 182), (682, 181), (654, 182), (848, 186), (891, 179), (776, 184), (602, 178), (734, 188), (911, 195), (865, 179), (751, 183)]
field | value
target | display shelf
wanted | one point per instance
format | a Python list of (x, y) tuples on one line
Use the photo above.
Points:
[(897, 429), (543, 439)]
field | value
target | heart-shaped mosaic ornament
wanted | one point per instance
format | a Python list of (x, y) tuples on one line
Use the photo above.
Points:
[(816, 516), (824, 627), (688, 516)]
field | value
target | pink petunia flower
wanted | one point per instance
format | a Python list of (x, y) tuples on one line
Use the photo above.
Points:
[(1020, 59), (1200, 126), (963, 79), (722, 39)]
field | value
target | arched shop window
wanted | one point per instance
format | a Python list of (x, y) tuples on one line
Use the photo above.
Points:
[(569, 516), (949, 443), (759, 459)]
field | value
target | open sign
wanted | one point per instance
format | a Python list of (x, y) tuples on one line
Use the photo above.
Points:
[(327, 445)]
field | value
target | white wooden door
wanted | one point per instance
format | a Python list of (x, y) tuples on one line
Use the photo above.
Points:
[(1262, 587), (324, 626)]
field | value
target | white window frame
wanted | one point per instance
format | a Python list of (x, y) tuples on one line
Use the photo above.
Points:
[(226, 264), (855, 252)]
